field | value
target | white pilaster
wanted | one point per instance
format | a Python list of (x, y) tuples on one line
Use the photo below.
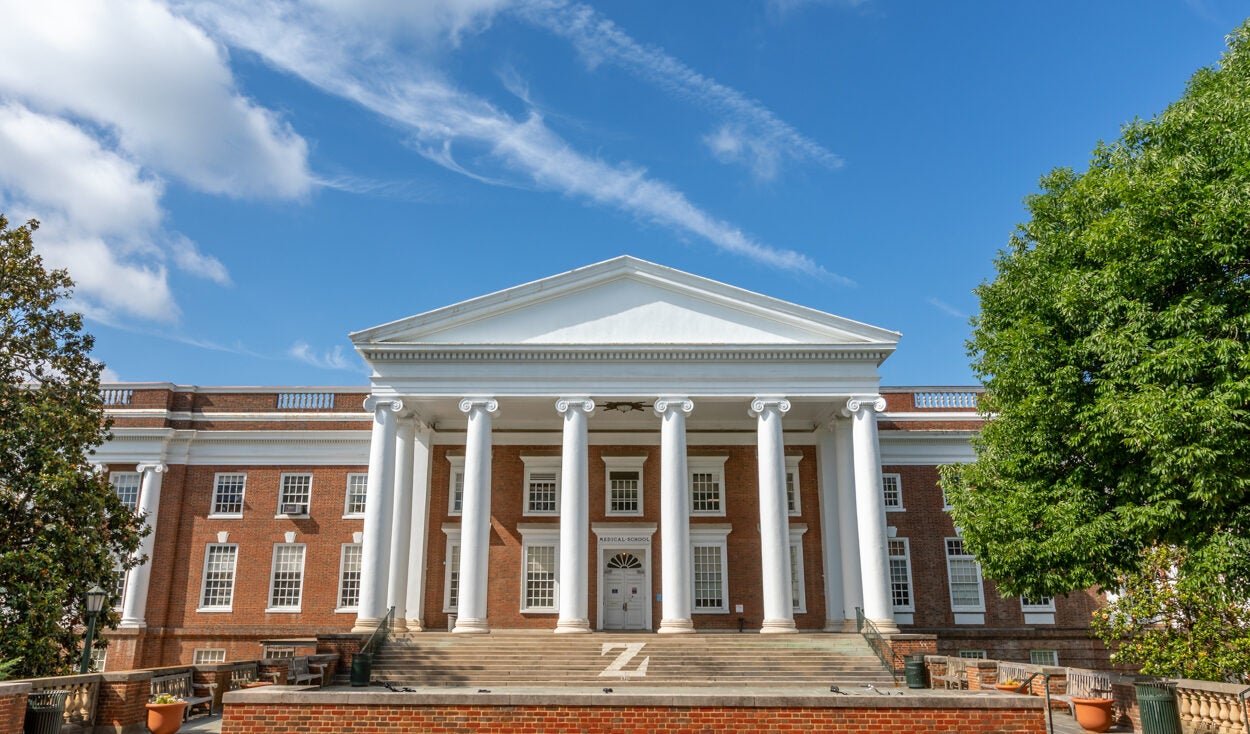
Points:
[(135, 601), (830, 544), (420, 524), (774, 518), (848, 522), (674, 515), (401, 522), (475, 516), (379, 498), (874, 559), (574, 515)]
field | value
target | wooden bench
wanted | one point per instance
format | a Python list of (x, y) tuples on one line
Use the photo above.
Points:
[(956, 674), (183, 686), (300, 674), (1022, 674), (1083, 684)]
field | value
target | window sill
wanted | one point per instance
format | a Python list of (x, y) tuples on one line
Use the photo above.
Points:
[(347, 610), (280, 516), (226, 516), (539, 610), (720, 513), (623, 514), (895, 509), (282, 610), (354, 516), (214, 610), (709, 611)]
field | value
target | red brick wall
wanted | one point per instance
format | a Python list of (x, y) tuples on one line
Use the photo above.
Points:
[(13, 706), (281, 719)]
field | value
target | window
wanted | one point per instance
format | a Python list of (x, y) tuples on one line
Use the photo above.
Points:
[(126, 485), (357, 490), (349, 577), (99, 659), (1039, 604), (287, 582), (295, 495), (707, 490), (624, 485), (119, 590), (709, 579), (793, 505), (228, 495), (892, 492), (208, 655), (455, 492), (540, 577), (278, 652), (900, 575), (965, 578), (451, 569), (542, 485), (1044, 657), (973, 654), (217, 587)]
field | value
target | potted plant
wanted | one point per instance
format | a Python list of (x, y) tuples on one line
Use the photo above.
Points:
[(1093, 714), (1011, 685), (165, 713)]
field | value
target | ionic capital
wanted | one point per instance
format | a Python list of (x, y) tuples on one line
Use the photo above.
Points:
[(673, 402), (375, 404), (872, 403), (154, 468), (490, 405), (584, 404), (768, 402)]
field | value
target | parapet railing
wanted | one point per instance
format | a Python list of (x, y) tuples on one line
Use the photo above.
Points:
[(943, 399), (881, 646), (305, 401)]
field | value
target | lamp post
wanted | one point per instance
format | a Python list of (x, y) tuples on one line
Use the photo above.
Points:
[(95, 602)]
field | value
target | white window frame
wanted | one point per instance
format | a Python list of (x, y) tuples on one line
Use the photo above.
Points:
[(711, 536), (273, 578), (343, 551), (116, 478), (363, 478), (234, 577), (540, 465), (911, 585), (451, 571), (1044, 657), (794, 498), (1038, 613), (199, 657), (973, 654), (798, 576), (99, 659), (456, 473), (546, 535), (282, 488), (212, 507), (885, 497), (714, 465), (622, 464), (965, 556)]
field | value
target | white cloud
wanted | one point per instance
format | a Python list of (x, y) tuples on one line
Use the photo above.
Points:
[(948, 309), (106, 284), (324, 50), (155, 82), (108, 374), (188, 258), (331, 359), (731, 145)]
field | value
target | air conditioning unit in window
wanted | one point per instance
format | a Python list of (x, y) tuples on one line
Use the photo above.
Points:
[(294, 509)]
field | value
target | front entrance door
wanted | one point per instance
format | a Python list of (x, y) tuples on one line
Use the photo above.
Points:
[(624, 598)]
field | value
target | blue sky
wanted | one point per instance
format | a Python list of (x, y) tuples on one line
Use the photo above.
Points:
[(238, 184)]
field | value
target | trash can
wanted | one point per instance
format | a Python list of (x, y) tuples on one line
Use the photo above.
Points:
[(1157, 704), (45, 712), (362, 668), (914, 671)]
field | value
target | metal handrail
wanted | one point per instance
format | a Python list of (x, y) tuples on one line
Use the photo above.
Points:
[(380, 633), (893, 661)]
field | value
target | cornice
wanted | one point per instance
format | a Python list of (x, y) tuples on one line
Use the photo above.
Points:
[(227, 417), (633, 353)]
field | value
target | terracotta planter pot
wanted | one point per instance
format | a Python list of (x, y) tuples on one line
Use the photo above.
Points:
[(1010, 688), (1093, 714), (165, 718), (256, 684)]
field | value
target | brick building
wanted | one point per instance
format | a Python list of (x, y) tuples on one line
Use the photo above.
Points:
[(622, 446)]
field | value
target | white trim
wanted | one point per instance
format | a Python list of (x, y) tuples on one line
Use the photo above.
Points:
[(115, 478), (273, 578), (545, 535), (280, 515), (540, 465), (622, 464), (704, 535), (196, 655), (212, 500), (613, 537), (797, 531), (1038, 613), (347, 515), (898, 490), (793, 486), (1052, 657), (234, 577), (963, 557), (714, 465), (457, 468), (338, 599), (911, 585), (452, 531)]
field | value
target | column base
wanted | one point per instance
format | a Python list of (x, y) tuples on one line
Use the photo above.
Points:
[(850, 625), (886, 626), (676, 627), (466, 626), (572, 626), (136, 624), (366, 624), (399, 625), (778, 626), (416, 625)]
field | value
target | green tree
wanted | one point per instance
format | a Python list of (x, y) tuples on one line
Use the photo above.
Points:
[(1184, 612), (1114, 345), (61, 525)]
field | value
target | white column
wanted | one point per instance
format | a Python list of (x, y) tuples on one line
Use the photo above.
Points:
[(401, 519), (420, 524), (574, 515), (830, 545), (770, 450), (674, 516), (379, 495), (874, 559), (475, 516), (848, 523), (135, 601)]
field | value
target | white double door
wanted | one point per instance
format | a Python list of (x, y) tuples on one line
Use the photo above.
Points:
[(625, 596)]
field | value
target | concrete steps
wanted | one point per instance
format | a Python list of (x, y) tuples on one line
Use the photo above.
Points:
[(543, 658)]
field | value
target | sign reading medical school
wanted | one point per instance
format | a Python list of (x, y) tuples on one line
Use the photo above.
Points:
[(606, 539)]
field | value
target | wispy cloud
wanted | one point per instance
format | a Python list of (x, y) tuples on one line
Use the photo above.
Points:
[(948, 309), (330, 359), (767, 138), (189, 259), (345, 59)]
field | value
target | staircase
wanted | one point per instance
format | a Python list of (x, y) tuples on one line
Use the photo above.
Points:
[(529, 658)]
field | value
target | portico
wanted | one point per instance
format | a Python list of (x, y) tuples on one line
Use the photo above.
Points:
[(621, 407)]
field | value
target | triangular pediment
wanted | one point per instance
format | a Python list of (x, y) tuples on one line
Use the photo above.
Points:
[(625, 301)]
